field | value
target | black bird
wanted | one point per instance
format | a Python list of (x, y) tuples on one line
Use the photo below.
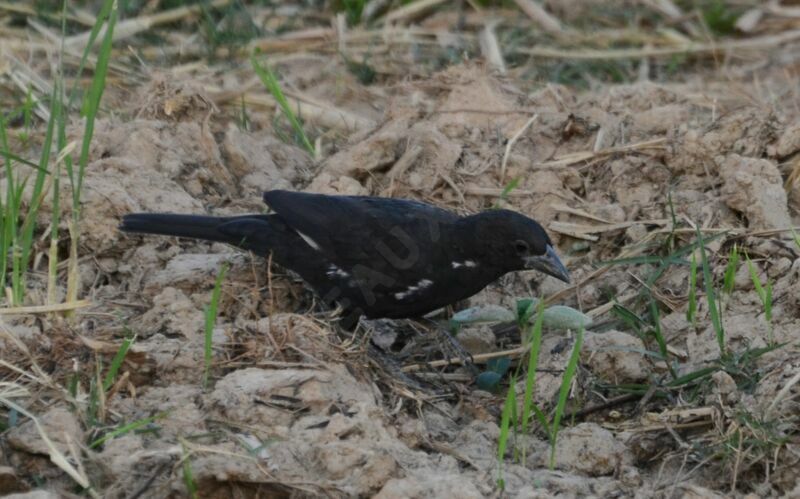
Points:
[(378, 257)]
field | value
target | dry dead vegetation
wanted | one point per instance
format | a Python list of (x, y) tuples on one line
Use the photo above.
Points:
[(626, 126)]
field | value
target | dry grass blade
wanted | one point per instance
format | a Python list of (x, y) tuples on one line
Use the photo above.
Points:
[(411, 11), (44, 309), (131, 27), (56, 456), (540, 16), (11, 390), (473, 190), (585, 231), (39, 375), (755, 43), (782, 394), (588, 156), (324, 115), (490, 48)]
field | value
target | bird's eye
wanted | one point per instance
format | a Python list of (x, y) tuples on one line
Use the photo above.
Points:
[(521, 247)]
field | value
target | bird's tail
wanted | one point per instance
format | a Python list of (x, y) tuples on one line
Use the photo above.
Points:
[(217, 229)]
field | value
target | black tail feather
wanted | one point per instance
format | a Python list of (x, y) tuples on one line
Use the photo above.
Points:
[(167, 224)]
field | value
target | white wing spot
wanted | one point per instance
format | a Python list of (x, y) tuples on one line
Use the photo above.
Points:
[(422, 284), (465, 263), (334, 271), (310, 241)]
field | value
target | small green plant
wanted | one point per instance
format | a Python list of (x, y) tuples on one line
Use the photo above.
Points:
[(100, 385), (720, 18), (228, 25), (730, 271), (16, 239), (211, 319), (363, 71), (243, 118), (510, 419), (489, 380), (764, 293), (353, 10), (271, 83), (513, 184)]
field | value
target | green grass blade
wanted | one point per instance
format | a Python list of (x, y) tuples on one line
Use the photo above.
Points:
[(91, 105), (691, 310), (105, 10), (8, 216), (713, 310), (768, 301), (19, 159), (659, 336), (629, 317), (91, 102), (211, 319), (27, 115), (37, 197), (55, 216), (762, 295), (533, 363), (506, 192), (271, 83), (116, 363), (730, 271), (693, 376), (124, 429), (188, 475), (566, 382)]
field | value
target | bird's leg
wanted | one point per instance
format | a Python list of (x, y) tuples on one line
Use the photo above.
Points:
[(452, 349), (391, 367)]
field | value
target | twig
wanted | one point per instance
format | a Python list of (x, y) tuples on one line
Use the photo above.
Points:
[(476, 359), (511, 143), (493, 191)]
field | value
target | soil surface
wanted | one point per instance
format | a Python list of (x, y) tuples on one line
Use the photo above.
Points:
[(297, 407)]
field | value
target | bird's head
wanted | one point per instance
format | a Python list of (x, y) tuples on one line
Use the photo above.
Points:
[(520, 242)]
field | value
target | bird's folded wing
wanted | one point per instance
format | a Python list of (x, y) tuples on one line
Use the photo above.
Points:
[(391, 237)]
